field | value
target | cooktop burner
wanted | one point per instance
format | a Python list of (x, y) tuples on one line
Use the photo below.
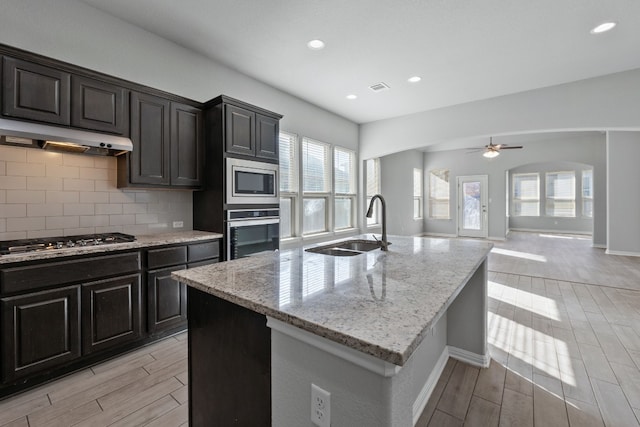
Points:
[(49, 243)]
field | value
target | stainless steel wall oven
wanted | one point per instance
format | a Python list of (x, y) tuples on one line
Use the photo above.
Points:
[(251, 231)]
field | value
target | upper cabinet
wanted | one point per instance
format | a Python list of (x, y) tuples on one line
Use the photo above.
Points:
[(248, 131), (35, 92), (186, 145), (167, 144), (100, 106)]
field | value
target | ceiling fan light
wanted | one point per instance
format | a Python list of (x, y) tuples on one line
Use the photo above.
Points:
[(490, 154)]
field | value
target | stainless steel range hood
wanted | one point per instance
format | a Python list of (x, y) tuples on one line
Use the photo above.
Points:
[(25, 134)]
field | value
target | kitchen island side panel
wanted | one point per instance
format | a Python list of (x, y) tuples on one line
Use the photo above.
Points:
[(229, 364)]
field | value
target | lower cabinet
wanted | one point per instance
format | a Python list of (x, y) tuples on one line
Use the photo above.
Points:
[(40, 330), (111, 313), (167, 300), (59, 316)]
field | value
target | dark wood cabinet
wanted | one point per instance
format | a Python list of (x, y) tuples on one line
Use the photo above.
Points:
[(150, 162), (100, 106), (166, 297), (243, 130), (40, 330), (167, 300), (267, 137), (167, 144), (186, 145), (35, 92), (240, 136), (111, 313)]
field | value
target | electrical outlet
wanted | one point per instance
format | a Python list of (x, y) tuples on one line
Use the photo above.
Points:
[(178, 224), (320, 406)]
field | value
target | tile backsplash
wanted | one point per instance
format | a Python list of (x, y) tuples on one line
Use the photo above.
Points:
[(44, 194)]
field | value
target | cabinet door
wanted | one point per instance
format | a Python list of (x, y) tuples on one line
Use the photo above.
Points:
[(111, 313), (150, 124), (167, 300), (39, 331), (99, 106), (267, 137), (240, 130), (186, 145), (35, 92)]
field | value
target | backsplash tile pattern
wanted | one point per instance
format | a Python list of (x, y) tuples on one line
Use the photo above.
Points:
[(45, 194)]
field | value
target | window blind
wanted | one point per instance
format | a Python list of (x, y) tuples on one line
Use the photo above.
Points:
[(315, 166), (373, 177), (439, 194), (561, 194), (288, 163), (526, 194), (344, 171)]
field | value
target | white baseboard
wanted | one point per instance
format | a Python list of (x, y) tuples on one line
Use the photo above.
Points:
[(623, 253), (500, 239), (429, 386), (479, 360), (428, 234), (540, 230), (598, 245)]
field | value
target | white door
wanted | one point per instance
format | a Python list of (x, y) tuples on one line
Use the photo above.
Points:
[(473, 218)]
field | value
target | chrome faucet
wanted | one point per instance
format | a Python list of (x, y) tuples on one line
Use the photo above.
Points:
[(384, 245)]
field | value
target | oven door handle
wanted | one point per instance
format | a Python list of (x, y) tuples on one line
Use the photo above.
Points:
[(250, 222)]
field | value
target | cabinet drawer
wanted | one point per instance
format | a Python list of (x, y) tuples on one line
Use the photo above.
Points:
[(18, 279), (157, 258), (202, 251)]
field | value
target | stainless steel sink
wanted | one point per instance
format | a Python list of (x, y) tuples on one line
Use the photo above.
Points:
[(346, 248)]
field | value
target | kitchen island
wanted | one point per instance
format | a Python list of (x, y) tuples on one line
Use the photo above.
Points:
[(374, 330)]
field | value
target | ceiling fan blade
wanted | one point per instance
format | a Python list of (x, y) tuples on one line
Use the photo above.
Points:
[(510, 147), (474, 150)]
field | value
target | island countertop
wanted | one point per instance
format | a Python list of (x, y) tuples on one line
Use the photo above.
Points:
[(379, 303)]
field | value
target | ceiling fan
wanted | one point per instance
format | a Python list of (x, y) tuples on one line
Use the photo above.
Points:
[(493, 150)]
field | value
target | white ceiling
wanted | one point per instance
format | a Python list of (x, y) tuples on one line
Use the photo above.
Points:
[(463, 50)]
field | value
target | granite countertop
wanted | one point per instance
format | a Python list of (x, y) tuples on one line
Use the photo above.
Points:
[(140, 242), (380, 303)]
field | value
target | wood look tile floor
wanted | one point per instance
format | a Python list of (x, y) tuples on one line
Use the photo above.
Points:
[(564, 335)]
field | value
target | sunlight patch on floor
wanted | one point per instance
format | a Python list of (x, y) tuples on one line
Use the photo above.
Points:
[(517, 254)]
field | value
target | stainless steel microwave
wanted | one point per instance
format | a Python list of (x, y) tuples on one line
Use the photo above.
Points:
[(250, 182)]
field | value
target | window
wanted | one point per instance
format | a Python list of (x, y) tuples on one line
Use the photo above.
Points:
[(526, 194), (372, 168), (439, 194), (288, 183), (417, 193), (316, 186), (587, 193), (561, 194), (344, 175)]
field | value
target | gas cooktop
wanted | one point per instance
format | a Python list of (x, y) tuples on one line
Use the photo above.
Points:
[(52, 243)]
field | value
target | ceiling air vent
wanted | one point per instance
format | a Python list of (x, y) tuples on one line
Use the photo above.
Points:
[(379, 87)]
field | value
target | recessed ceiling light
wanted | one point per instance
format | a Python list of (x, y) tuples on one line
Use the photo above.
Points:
[(414, 79), (315, 44), (604, 27), (352, 96)]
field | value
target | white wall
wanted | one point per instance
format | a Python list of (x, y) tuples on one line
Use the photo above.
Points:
[(608, 102), (587, 149), (396, 171), (623, 178), (74, 32)]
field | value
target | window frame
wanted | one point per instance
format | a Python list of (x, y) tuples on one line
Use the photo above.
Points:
[(351, 195), (519, 200), (294, 193), (434, 200), (555, 199), (418, 192), (309, 195), (374, 221), (582, 192)]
